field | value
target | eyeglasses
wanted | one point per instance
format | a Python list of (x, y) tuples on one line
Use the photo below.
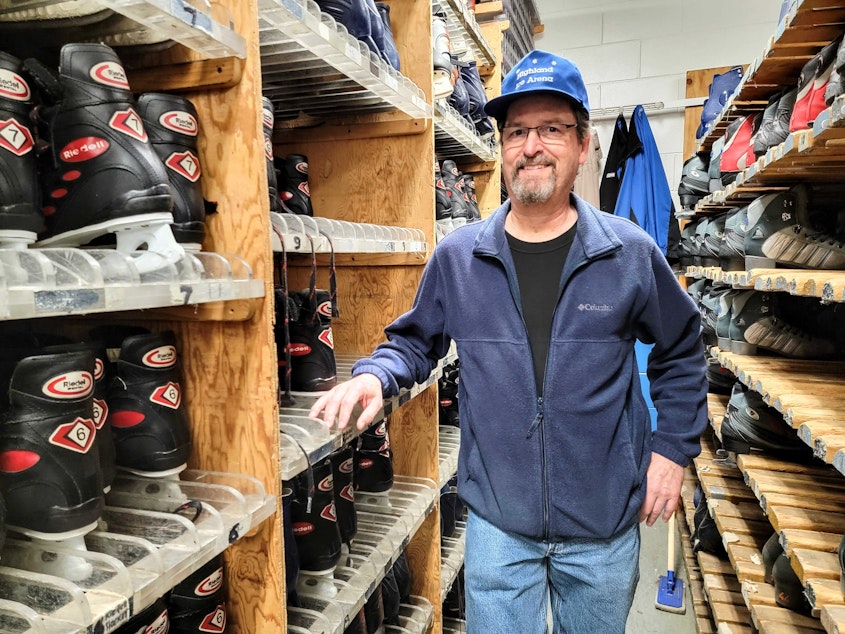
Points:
[(552, 133)]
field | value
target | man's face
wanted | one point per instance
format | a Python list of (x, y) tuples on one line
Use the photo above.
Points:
[(537, 170)]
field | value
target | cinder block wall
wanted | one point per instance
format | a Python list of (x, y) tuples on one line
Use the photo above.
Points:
[(638, 51)]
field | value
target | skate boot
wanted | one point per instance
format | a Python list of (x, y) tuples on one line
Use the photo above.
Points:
[(153, 620), (388, 44), (459, 99), (315, 521), (293, 184), (390, 598), (272, 181), (355, 16), (50, 473), (779, 232), (448, 496), (723, 319), (454, 182), (755, 322), (150, 426), (444, 80), (749, 422), (374, 612), (687, 247), (477, 98), (344, 493), (171, 123), (313, 365), (695, 181), (291, 552), (374, 460), (469, 190), (789, 591), (442, 205), (102, 379), (713, 234), (448, 395), (99, 172), (732, 244), (197, 604), (20, 216), (720, 380)]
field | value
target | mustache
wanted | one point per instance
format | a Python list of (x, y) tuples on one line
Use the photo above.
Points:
[(534, 160)]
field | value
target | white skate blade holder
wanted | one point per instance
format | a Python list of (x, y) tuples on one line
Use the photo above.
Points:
[(57, 554)]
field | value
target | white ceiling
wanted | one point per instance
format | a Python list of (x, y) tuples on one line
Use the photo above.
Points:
[(557, 8)]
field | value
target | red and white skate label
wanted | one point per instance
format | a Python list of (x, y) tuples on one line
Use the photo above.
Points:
[(210, 584), (214, 621), (325, 308), (83, 149), (161, 357), (77, 435), (69, 385), (13, 86), (180, 121), (267, 116), (347, 493), (299, 349), (129, 123), (109, 74), (99, 369), (327, 337), (169, 395), (303, 187), (302, 528), (329, 513), (185, 164), (161, 625), (301, 167), (15, 138), (268, 149), (326, 484), (346, 466), (101, 412)]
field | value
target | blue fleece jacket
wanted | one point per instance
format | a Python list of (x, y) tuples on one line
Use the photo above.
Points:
[(572, 463)]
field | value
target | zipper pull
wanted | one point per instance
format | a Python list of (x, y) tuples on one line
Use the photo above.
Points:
[(537, 419)]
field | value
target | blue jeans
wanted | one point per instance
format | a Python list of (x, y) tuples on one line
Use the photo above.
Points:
[(510, 580)]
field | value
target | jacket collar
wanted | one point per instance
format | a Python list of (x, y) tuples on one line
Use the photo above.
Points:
[(594, 234)]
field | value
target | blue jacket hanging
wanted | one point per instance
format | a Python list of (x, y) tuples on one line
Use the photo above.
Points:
[(644, 196)]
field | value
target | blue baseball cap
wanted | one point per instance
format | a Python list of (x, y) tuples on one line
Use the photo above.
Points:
[(539, 72)]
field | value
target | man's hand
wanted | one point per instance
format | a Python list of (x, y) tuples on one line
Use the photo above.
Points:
[(339, 402), (663, 487)]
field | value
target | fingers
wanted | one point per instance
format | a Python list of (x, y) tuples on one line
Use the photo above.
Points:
[(336, 406)]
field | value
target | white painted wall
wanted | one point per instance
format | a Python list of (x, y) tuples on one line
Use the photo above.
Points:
[(638, 51)]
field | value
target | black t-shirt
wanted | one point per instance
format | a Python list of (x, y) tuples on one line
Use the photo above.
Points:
[(539, 266)]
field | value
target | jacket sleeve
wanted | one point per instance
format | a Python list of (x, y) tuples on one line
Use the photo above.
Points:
[(415, 341), (676, 365)]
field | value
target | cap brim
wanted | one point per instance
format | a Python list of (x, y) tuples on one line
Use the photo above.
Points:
[(498, 106)]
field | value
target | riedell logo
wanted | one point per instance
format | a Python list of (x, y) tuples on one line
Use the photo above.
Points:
[(12, 86), (381, 430), (69, 385), (109, 74), (99, 369), (210, 584), (346, 466), (180, 121), (267, 115), (365, 463), (326, 484), (161, 625), (161, 357), (601, 308), (299, 349), (302, 528), (302, 167), (325, 309), (83, 149), (268, 149)]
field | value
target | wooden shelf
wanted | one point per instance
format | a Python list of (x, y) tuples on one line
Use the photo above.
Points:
[(825, 285)]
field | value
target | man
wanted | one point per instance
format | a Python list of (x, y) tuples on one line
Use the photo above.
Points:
[(545, 300)]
